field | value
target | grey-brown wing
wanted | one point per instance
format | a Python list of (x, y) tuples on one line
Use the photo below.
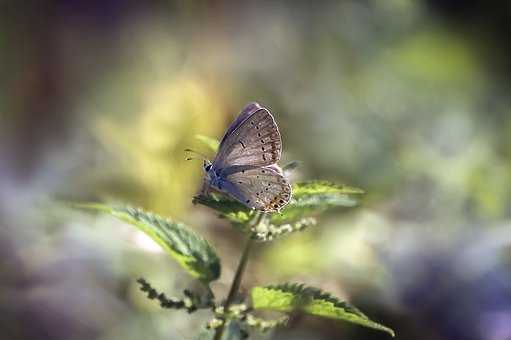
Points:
[(256, 142), (263, 188)]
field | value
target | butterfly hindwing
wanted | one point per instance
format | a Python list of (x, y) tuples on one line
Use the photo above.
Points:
[(254, 141), (262, 188)]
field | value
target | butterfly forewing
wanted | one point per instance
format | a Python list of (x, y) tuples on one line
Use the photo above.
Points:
[(255, 141), (247, 111), (262, 188)]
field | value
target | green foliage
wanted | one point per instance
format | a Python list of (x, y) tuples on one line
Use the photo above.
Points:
[(238, 214), (290, 297), (232, 321), (308, 199), (313, 197), (211, 143), (190, 250)]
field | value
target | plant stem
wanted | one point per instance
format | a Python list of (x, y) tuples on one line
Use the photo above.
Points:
[(236, 282)]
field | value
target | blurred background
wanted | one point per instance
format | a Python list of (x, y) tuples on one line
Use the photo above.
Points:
[(406, 99)]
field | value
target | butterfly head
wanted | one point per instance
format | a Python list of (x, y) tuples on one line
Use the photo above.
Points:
[(207, 165), (211, 176)]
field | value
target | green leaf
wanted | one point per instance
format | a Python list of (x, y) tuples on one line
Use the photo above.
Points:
[(308, 199), (190, 250), (211, 143), (313, 197), (324, 187), (290, 297), (238, 214)]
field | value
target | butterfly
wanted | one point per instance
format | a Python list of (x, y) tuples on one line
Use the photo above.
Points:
[(245, 167)]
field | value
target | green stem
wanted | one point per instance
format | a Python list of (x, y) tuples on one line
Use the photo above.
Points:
[(235, 286)]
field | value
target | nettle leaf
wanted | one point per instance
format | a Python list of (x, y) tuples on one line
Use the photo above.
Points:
[(313, 197), (211, 143), (290, 297), (190, 250), (238, 214)]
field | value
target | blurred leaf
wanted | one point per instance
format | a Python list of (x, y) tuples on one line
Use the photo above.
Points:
[(323, 187), (290, 297), (211, 143), (238, 214), (288, 167), (313, 197), (190, 250)]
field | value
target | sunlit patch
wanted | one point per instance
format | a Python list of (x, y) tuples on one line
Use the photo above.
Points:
[(146, 243)]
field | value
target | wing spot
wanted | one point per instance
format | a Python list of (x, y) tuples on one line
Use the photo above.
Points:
[(275, 206), (242, 171), (247, 201), (281, 201), (257, 127), (258, 134), (263, 171), (262, 141), (264, 157), (262, 148), (240, 182)]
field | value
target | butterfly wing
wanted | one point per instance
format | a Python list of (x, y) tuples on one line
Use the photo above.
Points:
[(262, 188), (253, 139), (245, 168), (247, 111)]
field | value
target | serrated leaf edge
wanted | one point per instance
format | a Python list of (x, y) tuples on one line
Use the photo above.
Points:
[(303, 295), (131, 215)]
